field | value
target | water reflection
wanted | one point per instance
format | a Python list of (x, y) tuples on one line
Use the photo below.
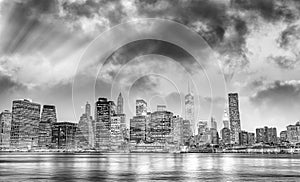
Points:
[(148, 167)]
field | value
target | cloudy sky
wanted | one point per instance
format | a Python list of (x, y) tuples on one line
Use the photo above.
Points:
[(48, 53)]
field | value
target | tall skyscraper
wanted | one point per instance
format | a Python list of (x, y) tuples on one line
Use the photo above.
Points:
[(189, 109), (186, 131), (293, 133), (48, 118), (25, 124), (234, 117), (120, 103), (85, 133), (141, 107), (104, 109), (160, 126), (226, 119), (5, 128), (63, 135)]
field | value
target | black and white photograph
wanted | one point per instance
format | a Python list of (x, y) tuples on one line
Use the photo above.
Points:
[(149, 90)]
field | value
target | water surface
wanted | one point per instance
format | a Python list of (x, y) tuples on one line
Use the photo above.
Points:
[(148, 167)]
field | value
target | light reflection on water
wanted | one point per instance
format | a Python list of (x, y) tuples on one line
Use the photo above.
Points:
[(148, 167)]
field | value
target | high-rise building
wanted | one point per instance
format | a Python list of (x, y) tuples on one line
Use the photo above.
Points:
[(161, 108), (186, 131), (243, 138), (48, 114), (204, 134), (138, 129), (293, 133), (225, 133), (104, 109), (160, 126), (5, 128), (45, 134), (251, 138), (141, 107), (48, 118), (234, 117), (63, 135), (226, 119), (283, 136), (189, 109), (116, 132), (266, 135), (85, 132), (214, 136), (120, 103), (213, 123), (177, 130), (25, 124)]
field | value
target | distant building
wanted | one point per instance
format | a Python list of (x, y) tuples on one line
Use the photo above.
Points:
[(214, 136), (160, 126), (48, 117), (213, 123), (251, 138), (225, 133), (25, 124), (116, 132), (293, 133), (5, 128), (138, 129), (266, 135), (161, 108), (141, 107), (63, 135), (283, 136), (234, 117), (45, 134), (243, 138), (177, 130), (48, 114), (84, 132), (189, 109), (226, 119), (203, 136), (186, 131), (104, 109), (120, 103)]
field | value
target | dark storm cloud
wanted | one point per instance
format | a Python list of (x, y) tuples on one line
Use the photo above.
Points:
[(147, 84), (268, 9), (7, 84), (282, 94)]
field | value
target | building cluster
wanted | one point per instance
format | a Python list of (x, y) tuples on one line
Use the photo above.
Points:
[(30, 126)]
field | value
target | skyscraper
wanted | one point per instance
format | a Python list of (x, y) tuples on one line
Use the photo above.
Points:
[(293, 133), (225, 119), (49, 113), (177, 130), (104, 109), (213, 123), (85, 133), (266, 135), (141, 107), (138, 129), (48, 118), (116, 132), (186, 131), (25, 124), (120, 103), (189, 109), (234, 117), (225, 133), (5, 128), (160, 126)]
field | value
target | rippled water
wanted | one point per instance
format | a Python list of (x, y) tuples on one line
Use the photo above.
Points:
[(148, 167)]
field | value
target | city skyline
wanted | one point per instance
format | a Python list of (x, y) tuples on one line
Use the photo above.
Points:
[(43, 41)]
